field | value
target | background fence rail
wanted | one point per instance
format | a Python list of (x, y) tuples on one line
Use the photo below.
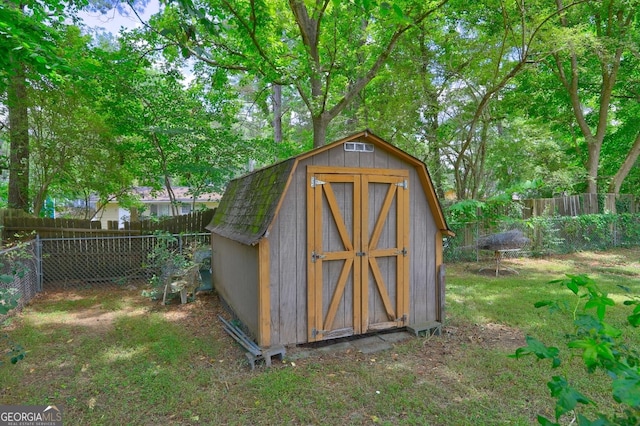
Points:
[(580, 204), (25, 227)]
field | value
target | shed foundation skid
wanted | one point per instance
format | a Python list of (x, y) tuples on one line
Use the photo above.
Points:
[(254, 352)]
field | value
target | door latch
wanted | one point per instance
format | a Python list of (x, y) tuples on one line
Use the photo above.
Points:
[(315, 256), (402, 252)]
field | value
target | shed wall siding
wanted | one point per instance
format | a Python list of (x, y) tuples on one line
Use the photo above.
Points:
[(235, 277), (423, 295), (288, 274), (288, 238)]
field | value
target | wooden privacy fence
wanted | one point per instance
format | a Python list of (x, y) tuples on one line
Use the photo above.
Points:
[(581, 204), (24, 227)]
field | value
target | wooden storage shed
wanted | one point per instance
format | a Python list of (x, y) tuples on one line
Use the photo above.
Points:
[(342, 240)]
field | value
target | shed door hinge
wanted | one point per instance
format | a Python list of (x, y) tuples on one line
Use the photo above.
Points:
[(315, 332), (315, 182), (404, 184), (403, 318)]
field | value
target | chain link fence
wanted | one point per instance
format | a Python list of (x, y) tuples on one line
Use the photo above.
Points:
[(547, 235), (87, 262), (20, 274), (76, 263), (80, 263)]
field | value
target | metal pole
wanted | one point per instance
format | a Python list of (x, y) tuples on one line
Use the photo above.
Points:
[(38, 254)]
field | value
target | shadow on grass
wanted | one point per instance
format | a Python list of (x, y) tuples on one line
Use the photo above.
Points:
[(509, 299), (137, 365)]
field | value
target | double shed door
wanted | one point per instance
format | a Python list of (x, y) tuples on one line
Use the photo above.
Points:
[(358, 259)]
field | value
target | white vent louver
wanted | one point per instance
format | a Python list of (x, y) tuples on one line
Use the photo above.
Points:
[(358, 147)]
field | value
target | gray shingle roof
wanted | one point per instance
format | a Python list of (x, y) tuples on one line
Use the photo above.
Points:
[(249, 203)]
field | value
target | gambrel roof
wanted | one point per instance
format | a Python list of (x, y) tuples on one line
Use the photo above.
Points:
[(251, 202)]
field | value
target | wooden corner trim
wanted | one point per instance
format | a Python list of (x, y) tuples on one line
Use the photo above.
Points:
[(264, 293)]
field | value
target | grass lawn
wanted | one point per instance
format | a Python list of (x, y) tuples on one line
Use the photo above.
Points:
[(115, 357)]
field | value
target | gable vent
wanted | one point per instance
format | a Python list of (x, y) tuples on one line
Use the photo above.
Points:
[(358, 147)]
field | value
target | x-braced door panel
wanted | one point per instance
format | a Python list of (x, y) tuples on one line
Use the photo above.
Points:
[(334, 203), (385, 239), (357, 251)]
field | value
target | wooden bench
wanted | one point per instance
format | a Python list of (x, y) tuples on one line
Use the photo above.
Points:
[(254, 352)]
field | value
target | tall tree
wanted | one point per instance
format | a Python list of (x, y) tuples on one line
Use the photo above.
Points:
[(169, 130), (497, 44), (405, 101), (329, 51), (28, 31), (70, 141), (17, 107), (605, 39)]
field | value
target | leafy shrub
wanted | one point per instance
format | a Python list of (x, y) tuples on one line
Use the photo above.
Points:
[(8, 301), (601, 347), (545, 237), (168, 259)]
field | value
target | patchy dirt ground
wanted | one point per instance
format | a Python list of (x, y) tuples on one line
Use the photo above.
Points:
[(200, 317)]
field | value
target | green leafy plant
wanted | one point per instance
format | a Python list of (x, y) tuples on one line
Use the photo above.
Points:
[(168, 259), (8, 301), (600, 346), (465, 211), (14, 351), (8, 297), (163, 260)]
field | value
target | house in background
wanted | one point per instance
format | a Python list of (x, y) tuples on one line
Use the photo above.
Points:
[(156, 204)]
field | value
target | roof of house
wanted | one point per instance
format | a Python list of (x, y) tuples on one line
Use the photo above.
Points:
[(182, 194), (250, 202)]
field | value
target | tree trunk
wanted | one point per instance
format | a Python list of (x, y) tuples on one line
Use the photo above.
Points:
[(320, 124), (39, 199), (133, 215), (277, 113), (18, 138), (625, 168), (310, 29), (172, 196), (592, 166), (167, 177)]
